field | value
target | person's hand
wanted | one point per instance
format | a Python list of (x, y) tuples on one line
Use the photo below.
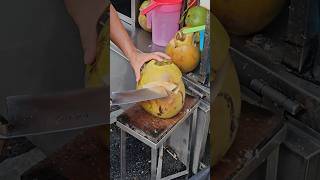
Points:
[(140, 58), (121, 38), (86, 13)]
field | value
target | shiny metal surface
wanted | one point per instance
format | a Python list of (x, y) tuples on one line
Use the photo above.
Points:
[(155, 142), (121, 74), (303, 91), (201, 135), (139, 95), (59, 112), (277, 97), (188, 123), (300, 153), (122, 77), (202, 91), (141, 39), (179, 141), (268, 153)]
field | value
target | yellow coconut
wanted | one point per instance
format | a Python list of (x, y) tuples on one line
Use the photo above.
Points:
[(225, 114), (168, 75), (227, 104), (183, 51), (220, 45), (95, 73), (243, 17), (142, 19)]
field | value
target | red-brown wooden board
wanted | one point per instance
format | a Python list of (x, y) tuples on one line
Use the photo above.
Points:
[(137, 118)]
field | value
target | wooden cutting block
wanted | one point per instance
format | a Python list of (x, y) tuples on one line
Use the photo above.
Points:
[(137, 118)]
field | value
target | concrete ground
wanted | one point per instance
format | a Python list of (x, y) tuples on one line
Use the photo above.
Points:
[(138, 158)]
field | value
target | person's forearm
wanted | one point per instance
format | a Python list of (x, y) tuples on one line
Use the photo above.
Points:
[(120, 36), (85, 11), (85, 14)]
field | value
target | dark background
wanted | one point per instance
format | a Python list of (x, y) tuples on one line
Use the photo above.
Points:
[(40, 49), (40, 52), (122, 6)]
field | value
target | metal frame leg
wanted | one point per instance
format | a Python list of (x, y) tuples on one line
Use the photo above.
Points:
[(123, 155), (199, 146), (159, 168), (154, 154), (156, 166), (193, 124), (272, 165)]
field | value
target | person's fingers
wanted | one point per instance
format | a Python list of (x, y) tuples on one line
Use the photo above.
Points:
[(90, 55), (156, 57), (137, 73), (89, 43), (163, 55), (146, 58), (143, 58)]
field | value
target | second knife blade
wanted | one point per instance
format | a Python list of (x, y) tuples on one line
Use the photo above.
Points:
[(139, 95)]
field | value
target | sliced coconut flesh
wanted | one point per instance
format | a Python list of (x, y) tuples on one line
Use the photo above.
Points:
[(170, 87)]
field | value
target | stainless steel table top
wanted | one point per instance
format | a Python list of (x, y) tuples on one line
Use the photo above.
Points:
[(141, 39)]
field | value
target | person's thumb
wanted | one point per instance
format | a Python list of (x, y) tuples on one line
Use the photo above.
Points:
[(137, 73), (89, 44), (89, 55)]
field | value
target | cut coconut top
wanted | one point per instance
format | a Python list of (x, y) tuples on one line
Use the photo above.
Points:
[(170, 87)]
